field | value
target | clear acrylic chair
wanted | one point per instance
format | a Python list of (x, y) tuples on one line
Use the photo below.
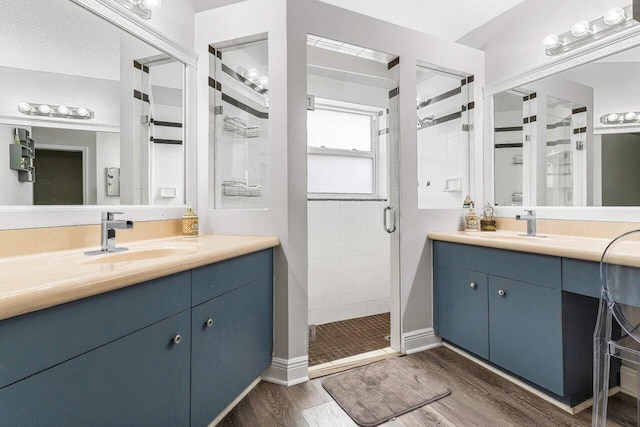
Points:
[(619, 301)]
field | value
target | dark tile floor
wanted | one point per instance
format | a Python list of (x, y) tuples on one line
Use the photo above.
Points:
[(349, 337)]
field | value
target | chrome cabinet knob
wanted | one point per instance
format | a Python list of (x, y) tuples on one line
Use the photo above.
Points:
[(501, 293), (209, 323), (473, 285), (177, 339)]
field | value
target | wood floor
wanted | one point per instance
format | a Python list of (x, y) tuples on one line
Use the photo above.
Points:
[(479, 398)]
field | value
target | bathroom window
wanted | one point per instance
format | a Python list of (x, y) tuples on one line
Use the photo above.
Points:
[(342, 147)]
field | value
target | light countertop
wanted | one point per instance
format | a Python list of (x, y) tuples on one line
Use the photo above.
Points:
[(585, 248), (34, 282)]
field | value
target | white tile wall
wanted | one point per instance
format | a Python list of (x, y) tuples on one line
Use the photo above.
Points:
[(349, 260)]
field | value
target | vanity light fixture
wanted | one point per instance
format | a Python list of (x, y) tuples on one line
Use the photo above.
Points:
[(584, 32), (141, 8), (620, 118), (58, 111)]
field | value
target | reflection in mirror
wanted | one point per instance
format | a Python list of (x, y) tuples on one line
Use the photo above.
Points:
[(90, 115), (444, 108), (239, 117), (570, 155)]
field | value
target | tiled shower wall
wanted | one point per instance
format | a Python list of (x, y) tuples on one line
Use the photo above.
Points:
[(442, 145), (349, 260)]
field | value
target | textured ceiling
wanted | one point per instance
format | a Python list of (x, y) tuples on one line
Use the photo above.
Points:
[(448, 19)]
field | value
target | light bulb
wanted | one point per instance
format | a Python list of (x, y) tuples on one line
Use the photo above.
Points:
[(263, 80), (82, 111), (551, 41), (151, 4), (253, 74), (24, 107), (44, 109), (614, 16), (580, 28), (62, 109), (630, 116), (613, 117)]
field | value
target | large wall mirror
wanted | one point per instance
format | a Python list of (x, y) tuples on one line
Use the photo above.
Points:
[(553, 144), (89, 114)]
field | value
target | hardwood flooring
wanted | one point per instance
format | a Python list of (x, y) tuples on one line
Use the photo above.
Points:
[(479, 398)]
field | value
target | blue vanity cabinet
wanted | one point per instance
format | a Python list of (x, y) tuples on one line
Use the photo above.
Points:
[(525, 331), (537, 316), (41, 339), (463, 309), (144, 355), (141, 379), (232, 335), (503, 306)]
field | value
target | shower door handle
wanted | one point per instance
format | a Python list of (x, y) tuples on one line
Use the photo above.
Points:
[(385, 215)]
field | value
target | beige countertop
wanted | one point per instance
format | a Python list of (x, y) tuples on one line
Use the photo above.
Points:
[(34, 282), (585, 248)]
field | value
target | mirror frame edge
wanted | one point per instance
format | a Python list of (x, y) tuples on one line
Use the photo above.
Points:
[(25, 217), (616, 43)]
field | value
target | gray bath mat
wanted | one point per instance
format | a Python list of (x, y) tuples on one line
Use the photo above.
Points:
[(375, 393)]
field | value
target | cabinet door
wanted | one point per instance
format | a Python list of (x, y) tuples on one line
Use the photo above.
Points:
[(141, 379), (228, 355), (525, 330), (463, 309)]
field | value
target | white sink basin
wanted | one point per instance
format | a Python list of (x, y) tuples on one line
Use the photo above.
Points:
[(522, 237), (135, 253), (139, 255)]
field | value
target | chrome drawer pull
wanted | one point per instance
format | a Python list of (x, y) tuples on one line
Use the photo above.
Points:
[(209, 323), (501, 293), (177, 339), (473, 285)]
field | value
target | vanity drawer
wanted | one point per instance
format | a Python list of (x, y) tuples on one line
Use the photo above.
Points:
[(36, 341), (581, 277), (541, 270), (216, 279)]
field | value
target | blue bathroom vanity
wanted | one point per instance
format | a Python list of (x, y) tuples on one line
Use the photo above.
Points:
[(528, 314), (172, 351)]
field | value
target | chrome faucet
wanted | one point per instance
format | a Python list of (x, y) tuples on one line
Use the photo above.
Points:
[(530, 217), (108, 233)]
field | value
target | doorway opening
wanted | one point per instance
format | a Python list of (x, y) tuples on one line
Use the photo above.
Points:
[(352, 142), (60, 177)]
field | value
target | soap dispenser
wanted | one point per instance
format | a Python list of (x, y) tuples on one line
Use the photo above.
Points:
[(190, 223), (470, 217)]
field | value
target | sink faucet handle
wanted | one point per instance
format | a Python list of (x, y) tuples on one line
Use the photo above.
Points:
[(108, 216)]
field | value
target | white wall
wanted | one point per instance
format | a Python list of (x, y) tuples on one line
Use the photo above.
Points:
[(512, 42), (13, 191), (99, 95), (349, 260), (610, 95), (176, 20), (107, 155)]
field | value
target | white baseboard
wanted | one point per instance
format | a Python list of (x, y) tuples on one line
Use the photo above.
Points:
[(287, 372), (629, 381), (420, 340)]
